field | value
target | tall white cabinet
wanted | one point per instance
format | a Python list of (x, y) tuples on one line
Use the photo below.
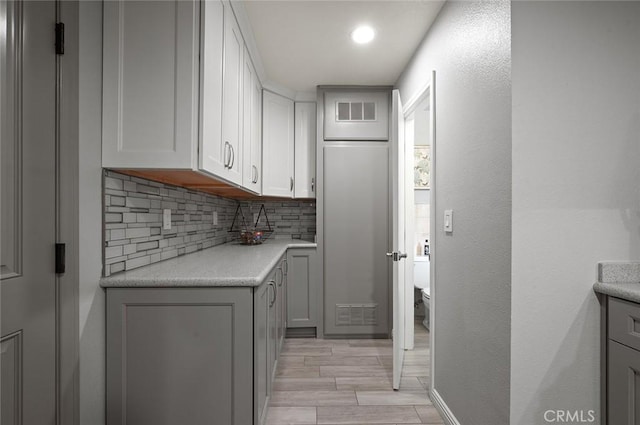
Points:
[(150, 82), (277, 145)]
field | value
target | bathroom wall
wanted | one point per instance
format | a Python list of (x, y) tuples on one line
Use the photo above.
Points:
[(469, 46), (133, 232), (576, 174)]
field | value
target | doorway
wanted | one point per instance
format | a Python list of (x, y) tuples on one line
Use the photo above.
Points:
[(419, 284)]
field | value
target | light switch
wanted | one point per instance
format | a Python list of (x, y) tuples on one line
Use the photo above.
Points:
[(448, 221), (215, 218), (166, 219)]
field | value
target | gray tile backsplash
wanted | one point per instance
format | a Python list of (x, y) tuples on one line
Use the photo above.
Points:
[(133, 234)]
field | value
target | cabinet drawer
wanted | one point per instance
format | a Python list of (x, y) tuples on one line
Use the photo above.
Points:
[(624, 322)]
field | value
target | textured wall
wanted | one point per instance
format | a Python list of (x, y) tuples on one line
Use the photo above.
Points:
[(133, 232), (469, 47), (576, 173)]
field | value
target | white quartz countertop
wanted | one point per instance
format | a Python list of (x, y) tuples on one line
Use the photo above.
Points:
[(619, 279), (230, 264)]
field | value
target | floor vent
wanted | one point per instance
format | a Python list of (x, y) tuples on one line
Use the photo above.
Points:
[(356, 314)]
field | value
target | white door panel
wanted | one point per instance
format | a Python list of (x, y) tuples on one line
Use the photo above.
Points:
[(28, 205), (398, 239)]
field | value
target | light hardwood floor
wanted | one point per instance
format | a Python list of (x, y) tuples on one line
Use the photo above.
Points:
[(340, 382)]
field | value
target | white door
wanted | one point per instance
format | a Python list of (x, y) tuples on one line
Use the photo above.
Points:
[(399, 251), (28, 212)]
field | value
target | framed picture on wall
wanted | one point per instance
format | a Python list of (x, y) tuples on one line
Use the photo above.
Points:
[(422, 167)]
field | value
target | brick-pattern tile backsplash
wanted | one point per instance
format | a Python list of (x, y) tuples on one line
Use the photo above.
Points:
[(133, 233)]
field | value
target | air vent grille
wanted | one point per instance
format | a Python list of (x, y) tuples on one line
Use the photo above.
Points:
[(356, 314), (356, 111)]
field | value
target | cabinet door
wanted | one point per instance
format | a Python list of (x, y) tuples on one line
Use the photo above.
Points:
[(273, 330), (277, 145), (256, 134), (301, 288), (232, 96), (150, 84), (280, 308), (251, 145), (623, 384), (179, 356), (262, 371), (305, 150), (214, 154)]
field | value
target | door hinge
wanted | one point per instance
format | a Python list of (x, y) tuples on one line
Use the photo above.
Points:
[(60, 258), (59, 38)]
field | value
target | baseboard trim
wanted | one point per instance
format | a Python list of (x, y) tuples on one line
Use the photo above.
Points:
[(441, 406)]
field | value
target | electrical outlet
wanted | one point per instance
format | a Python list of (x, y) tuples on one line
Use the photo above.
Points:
[(215, 218), (166, 219)]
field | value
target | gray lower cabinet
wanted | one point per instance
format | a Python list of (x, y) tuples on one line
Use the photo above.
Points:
[(623, 363), (301, 288), (268, 328), (194, 355), (179, 356)]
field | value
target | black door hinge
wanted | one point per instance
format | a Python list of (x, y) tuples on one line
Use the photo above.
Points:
[(60, 258), (59, 38)]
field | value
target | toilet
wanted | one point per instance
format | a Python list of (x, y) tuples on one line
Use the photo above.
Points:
[(421, 280)]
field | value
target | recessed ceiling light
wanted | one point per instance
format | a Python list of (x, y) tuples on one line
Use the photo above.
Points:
[(363, 34)]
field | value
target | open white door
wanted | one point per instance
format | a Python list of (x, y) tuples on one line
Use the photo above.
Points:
[(398, 239)]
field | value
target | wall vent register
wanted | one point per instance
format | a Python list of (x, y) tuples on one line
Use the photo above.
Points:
[(356, 314), (355, 111)]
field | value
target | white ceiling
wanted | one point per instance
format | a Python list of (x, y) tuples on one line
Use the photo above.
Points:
[(305, 43)]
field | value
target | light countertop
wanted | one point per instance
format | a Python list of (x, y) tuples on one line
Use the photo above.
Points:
[(619, 279), (230, 264)]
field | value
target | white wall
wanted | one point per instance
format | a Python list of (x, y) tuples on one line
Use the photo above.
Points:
[(469, 48), (92, 319), (576, 191)]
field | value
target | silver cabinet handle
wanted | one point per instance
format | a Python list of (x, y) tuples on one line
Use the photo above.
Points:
[(255, 170), (279, 269), (286, 266), (275, 294), (233, 155), (291, 179), (227, 158), (313, 184)]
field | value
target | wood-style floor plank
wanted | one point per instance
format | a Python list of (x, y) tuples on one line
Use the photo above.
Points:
[(340, 382)]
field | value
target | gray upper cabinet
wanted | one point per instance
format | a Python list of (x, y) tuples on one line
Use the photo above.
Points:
[(232, 96), (302, 288), (173, 83), (179, 356), (252, 128), (305, 150), (150, 84), (356, 115), (214, 154), (277, 145)]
